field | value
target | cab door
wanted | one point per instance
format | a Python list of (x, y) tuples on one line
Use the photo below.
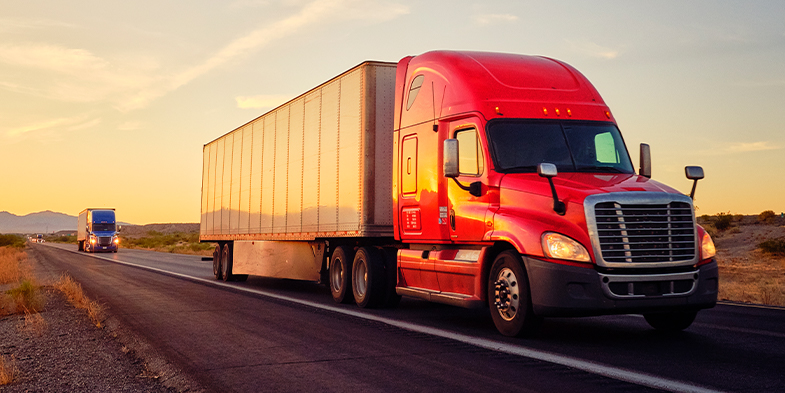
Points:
[(466, 211)]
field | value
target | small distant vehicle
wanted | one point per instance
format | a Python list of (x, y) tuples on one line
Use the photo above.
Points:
[(40, 239), (97, 231)]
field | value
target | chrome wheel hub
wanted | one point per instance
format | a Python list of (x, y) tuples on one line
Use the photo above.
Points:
[(507, 299)]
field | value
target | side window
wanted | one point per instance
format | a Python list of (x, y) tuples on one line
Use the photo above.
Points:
[(414, 89), (470, 158), (605, 149)]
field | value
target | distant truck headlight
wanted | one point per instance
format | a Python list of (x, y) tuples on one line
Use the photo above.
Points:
[(92, 240), (116, 240), (707, 246), (559, 246)]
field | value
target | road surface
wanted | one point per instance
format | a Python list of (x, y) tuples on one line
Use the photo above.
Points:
[(283, 335)]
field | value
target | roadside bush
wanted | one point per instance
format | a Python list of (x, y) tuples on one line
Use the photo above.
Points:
[(12, 241), (7, 370), (773, 246), (12, 268), (27, 297), (723, 221), (767, 216)]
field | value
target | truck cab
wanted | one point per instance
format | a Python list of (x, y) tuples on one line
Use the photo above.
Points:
[(513, 188), (97, 231)]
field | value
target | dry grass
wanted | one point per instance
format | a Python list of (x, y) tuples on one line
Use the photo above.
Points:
[(73, 291), (7, 370), (13, 265), (33, 324)]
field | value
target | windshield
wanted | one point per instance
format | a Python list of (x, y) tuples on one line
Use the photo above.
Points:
[(519, 145), (103, 227)]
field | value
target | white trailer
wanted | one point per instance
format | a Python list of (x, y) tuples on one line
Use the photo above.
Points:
[(310, 174)]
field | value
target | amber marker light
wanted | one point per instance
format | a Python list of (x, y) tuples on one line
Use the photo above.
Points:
[(498, 111), (557, 112), (569, 112), (608, 114), (545, 111)]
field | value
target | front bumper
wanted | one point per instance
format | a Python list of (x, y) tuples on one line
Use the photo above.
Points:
[(569, 291), (99, 248)]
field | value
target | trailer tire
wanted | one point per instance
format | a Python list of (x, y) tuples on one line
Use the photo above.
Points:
[(671, 321), (79, 246), (368, 278), (340, 274), (226, 263), (509, 296), (217, 262)]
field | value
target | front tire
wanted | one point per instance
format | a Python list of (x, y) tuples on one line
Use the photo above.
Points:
[(672, 321), (509, 296), (340, 274)]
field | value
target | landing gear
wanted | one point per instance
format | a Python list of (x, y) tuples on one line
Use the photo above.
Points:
[(509, 296)]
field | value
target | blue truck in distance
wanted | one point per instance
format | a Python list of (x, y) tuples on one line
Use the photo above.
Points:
[(97, 231)]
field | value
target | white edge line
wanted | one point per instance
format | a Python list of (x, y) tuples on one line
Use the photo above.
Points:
[(621, 374)]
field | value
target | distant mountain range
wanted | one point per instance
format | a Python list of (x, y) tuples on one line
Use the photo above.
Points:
[(41, 222)]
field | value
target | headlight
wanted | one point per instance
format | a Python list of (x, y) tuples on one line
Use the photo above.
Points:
[(116, 240), (707, 246), (559, 246)]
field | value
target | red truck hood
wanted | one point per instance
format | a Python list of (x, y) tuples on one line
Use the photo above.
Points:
[(575, 187)]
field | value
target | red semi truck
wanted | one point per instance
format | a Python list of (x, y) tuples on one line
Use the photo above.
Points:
[(468, 178)]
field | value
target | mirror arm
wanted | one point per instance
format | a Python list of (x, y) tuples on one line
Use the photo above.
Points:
[(692, 193), (474, 188), (558, 206)]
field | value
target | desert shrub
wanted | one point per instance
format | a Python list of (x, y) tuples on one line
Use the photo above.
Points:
[(27, 297), (12, 241), (723, 221), (767, 216), (61, 239), (773, 246)]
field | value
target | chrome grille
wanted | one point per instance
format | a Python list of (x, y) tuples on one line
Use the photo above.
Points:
[(104, 241), (645, 233)]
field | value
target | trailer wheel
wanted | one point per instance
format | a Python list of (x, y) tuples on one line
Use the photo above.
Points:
[(217, 262), (509, 296), (368, 277), (79, 246), (340, 274), (226, 263), (671, 321)]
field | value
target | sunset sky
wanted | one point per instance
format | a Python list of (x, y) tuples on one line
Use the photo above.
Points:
[(108, 103)]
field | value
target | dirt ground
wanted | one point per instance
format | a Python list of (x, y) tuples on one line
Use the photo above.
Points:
[(746, 273)]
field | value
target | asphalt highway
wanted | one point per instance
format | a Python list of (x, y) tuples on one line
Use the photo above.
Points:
[(283, 335)]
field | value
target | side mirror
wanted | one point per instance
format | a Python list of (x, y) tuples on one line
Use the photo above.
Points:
[(451, 158), (693, 173), (549, 171), (645, 156), (546, 169)]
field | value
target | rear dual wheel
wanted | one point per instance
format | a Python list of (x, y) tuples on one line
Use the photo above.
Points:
[(217, 252), (368, 277), (226, 263), (340, 274)]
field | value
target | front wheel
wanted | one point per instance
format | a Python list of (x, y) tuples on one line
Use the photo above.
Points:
[(671, 321), (509, 296)]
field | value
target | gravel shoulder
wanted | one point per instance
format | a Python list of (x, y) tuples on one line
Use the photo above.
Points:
[(60, 350)]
